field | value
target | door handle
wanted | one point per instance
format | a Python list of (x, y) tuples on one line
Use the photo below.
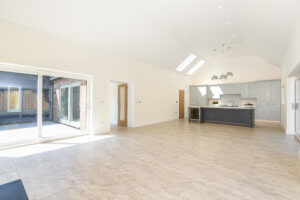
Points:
[(294, 106)]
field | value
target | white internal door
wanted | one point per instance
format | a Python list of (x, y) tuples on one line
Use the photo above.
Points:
[(298, 107)]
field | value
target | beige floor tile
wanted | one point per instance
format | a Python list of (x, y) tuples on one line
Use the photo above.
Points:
[(174, 160)]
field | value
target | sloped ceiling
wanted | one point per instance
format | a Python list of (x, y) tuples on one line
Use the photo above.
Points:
[(164, 32)]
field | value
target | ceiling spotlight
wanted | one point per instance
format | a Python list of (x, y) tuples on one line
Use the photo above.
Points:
[(234, 35), (219, 7), (214, 78), (149, 12), (223, 77), (229, 74), (228, 23)]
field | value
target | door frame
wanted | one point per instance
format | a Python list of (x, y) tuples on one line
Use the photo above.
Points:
[(130, 101), (40, 72)]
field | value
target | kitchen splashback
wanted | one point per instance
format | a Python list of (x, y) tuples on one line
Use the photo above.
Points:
[(231, 100)]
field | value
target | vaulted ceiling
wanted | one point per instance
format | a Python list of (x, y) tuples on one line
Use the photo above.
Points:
[(165, 32)]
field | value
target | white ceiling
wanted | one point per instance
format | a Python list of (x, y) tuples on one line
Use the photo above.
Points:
[(165, 32)]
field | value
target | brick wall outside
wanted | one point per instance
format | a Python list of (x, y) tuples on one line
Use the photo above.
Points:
[(56, 99), (29, 100)]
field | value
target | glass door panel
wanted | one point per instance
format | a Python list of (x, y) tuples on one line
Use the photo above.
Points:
[(64, 103), (75, 105), (122, 105), (18, 108), (65, 107), (298, 107)]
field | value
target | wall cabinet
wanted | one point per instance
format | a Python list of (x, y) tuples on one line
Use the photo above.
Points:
[(248, 90), (198, 96)]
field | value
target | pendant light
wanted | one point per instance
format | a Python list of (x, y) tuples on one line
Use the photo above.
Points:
[(223, 77), (229, 74), (214, 78)]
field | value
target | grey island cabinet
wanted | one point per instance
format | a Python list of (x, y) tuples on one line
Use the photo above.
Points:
[(237, 116)]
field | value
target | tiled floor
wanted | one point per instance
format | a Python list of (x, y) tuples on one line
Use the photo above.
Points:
[(173, 160)]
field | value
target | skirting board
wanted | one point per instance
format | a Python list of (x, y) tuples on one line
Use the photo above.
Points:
[(99, 132), (289, 132), (155, 122)]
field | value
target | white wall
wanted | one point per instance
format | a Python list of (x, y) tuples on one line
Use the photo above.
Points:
[(290, 62), (155, 87), (245, 68), (113, 103)]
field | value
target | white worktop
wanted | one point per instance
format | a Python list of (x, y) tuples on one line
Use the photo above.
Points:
[(223, 107)]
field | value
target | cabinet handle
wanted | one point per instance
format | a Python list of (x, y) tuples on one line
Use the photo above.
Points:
[(294, 106)]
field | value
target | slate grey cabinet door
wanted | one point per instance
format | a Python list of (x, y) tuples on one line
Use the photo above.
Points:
[(193, 96), (264, 93), (231, 88), (264, 113), (214, 91), (276, 93), (198, 95), (275, 113), (245, 92), (252, 90), (268, 100)]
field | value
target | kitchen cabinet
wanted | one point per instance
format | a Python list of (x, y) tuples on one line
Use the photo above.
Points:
[(198, 95), (230, 116), (244, 90), (275, 113), (275, 93), (231, 88), (267, 94), (248, 90), (252, 88), (268, 100)]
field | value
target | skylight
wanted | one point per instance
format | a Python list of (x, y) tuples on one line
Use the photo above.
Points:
[(196, 67), (186, 62)]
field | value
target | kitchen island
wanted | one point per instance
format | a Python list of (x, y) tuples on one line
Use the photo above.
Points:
[(237, 116)]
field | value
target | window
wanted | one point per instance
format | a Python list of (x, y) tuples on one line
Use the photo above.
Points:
[(196, 67), (14, 99), (186, 62)]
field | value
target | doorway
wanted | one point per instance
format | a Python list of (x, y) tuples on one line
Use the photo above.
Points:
[(181, 104), (297, 107), (70, 104), (118, 104)]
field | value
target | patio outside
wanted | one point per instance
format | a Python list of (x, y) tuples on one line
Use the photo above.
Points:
[(63, 107)]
